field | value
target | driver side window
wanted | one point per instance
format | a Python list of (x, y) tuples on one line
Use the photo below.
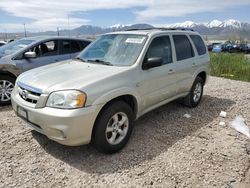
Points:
[(49, 48), (160, 47)]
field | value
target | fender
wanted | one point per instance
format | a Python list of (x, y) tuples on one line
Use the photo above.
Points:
[(199, 70), (9, 69), (104, 99)]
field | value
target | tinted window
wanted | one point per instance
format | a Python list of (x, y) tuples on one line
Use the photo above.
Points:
[(199, 44), (160, 47), (65, 47), (84, 44), (183, 47), (72, 46)]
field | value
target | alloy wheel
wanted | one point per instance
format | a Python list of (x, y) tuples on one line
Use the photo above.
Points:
[(6, 87)]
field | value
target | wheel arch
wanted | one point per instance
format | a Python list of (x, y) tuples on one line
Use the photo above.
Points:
[(203, 76), (7, 73)]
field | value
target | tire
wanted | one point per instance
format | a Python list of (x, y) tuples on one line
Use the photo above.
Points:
[(195, 95), (108, 135), (7, 84)]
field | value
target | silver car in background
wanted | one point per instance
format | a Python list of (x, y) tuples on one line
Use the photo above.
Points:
[(28, 53)]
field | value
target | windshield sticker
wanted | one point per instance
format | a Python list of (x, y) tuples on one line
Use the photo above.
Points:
[(135, 40)]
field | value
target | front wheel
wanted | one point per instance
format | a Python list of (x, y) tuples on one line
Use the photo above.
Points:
[(194, 97), (7, 84), (113, 127)]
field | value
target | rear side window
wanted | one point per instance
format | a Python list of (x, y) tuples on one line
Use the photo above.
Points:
[(199, 44), (84, 44), (161, 47), (65, 48), (183, 47), (72, 46)]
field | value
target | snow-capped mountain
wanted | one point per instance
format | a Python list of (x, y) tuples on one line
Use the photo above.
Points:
[(212, 24), (231, 23), (186, 24), (117, 26), (216, 27)]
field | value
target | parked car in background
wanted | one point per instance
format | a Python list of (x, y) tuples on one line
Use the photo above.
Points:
[(217, 48), (234, 48), (246, 48), (118, 78), (28, 53), (210, 46), (2, 43)]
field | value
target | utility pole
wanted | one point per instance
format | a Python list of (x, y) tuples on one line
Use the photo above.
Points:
[(25, 33), (58, 31), (68, 25)]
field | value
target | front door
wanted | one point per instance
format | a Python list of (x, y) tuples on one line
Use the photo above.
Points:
[(46, 53), (158, 84)]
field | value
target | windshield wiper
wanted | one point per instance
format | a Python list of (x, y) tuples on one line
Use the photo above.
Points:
[(100, 61), (79, 59)]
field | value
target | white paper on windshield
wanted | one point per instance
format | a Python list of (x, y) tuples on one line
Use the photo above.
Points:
[(135, 40)]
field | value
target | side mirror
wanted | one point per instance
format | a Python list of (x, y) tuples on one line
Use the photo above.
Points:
[(152, 62), (30, 55)]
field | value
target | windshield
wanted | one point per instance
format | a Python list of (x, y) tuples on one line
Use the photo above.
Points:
[(115, 49), (14, 46)]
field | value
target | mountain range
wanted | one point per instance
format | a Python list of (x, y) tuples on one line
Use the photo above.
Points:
[(214, 28)]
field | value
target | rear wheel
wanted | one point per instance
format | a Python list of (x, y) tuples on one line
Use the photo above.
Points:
[(113, 127), (7, 84), (195, 94)]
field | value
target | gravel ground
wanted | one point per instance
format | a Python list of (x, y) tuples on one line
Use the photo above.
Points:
[(165, 150)]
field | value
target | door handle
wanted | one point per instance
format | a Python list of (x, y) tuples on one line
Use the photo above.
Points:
[(194, 65), (171, 71)]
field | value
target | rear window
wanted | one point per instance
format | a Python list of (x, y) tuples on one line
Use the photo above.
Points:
[(183, 47), (199, 44)]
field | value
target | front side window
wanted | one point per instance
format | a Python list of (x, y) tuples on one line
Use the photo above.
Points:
[(199, 44), (116, 49), (44, 49), (183, 47), (160, 47)]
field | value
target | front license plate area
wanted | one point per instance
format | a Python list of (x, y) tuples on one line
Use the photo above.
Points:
[(22, 113)]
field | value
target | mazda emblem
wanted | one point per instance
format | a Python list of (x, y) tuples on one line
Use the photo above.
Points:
[(24, 94)]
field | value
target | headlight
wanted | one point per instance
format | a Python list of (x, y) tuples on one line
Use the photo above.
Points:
[(68, 99)]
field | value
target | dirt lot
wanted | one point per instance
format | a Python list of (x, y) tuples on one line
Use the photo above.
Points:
[(166, 149)]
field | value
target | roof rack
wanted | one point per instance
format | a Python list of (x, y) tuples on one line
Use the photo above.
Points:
[(162, 28)]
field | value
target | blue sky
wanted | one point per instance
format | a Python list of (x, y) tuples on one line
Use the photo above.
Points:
[(42, 15)]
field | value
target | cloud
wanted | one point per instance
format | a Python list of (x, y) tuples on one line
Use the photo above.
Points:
[(51, 14), (179, 8)]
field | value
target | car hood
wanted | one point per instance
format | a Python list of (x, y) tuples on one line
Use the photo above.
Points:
[(67, 75)]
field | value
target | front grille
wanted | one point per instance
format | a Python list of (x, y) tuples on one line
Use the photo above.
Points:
[(27, 95)]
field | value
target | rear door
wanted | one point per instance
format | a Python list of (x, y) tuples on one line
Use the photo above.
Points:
[(185, 62)]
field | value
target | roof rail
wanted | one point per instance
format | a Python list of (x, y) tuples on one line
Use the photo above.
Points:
[(162, 28)]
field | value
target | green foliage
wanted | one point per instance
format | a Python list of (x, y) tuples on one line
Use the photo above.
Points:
[(232, 66)]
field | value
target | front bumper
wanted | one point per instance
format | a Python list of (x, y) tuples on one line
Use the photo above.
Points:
[(67, 127)]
